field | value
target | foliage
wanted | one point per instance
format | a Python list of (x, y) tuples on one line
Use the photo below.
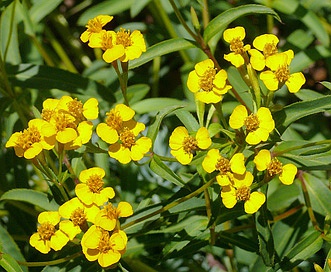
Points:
[(170, 136)]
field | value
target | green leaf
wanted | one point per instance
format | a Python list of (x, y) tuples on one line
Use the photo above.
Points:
[(41, 9), (188, 120), (112, 7), (150, 105), (306, 248), (319, 193), (326, 84), (159, 168), (44, 77), (39, 199), (264, 234), (295, 111), (9, 247), (238, 240), (138, 6), (153, 129), (9, 264), (220, 22), (160, 49)]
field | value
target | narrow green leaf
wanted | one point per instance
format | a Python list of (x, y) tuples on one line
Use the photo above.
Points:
[(160, 49), (264, 234), (44, 77), (326, 84), (301, 251), (238, 240), (220, 22), (188, 120), (8, 246), (159, 168), (138, 266), (41, 9), (112, 7), (153, 129), (9, 264), (295, 111), (31, 196), (150, 105)]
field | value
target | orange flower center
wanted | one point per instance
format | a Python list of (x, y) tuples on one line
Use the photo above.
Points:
[(269, 49), (206, 81), (106, 41), (95, 183), (252, 122), (190, 144), (123, 37), (237, 46), (110, 211), (78, 217), (46, 114), (223, 165), (28, 137), (63, 121), (243, 193), (114, 120), (282, 73), (75, 108), (94, 25), (127, 138), (275, 167), (46, 231), (104, 245)]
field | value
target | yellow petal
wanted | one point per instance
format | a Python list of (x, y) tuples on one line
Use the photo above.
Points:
[(177, 137), (269, 79), (106, 133), (209, 162), (228, 195), (90, 109), (295, 82), (237, 163), (114, 53), (193, 82), (262, 160), (124, 209), (203, 138), (254, 203), (288, 174), (233, 33), (236, 59), (238, 116)]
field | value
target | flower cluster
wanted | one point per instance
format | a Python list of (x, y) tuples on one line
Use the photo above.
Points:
[(90, 213), (122, 45)]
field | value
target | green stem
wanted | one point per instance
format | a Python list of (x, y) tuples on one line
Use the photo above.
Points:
[(255, 84), (11, 26), (170, 205), (209, 215), (53, 262)]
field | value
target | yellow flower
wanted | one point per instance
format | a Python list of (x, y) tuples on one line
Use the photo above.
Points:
[(267, 44), (106, 41), (48, 236), (49, 108), (31, 141), (84, 134), (76, 215), (128, 147), (258, 125), (107, 218), (240, 191), (95, 26), (183, 145), (214, 161), (99, 244), (91, 190), (235, 37), (264, 161), (208, 85), (280, 73), (116, 120)]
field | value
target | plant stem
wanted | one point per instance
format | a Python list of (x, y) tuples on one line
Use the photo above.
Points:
[(53, 262), (170, 205)]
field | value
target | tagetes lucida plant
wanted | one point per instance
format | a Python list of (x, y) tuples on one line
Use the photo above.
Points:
[(229, 160)]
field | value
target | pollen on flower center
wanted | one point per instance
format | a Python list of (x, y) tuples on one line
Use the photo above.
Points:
[(127, 138), (275, 167), (78, 217), (243, 193), (46, 231), (269, 49), (106, 41), (223, 165), (95, 183), (123, 37), (237, 46), (94, 25), (75, 108), (62, 121), (46, 114), (104, 245), (282, 73), (114, 120), (190, 144), (252, 122), (110, 210), (206, 81), (28, 137)]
